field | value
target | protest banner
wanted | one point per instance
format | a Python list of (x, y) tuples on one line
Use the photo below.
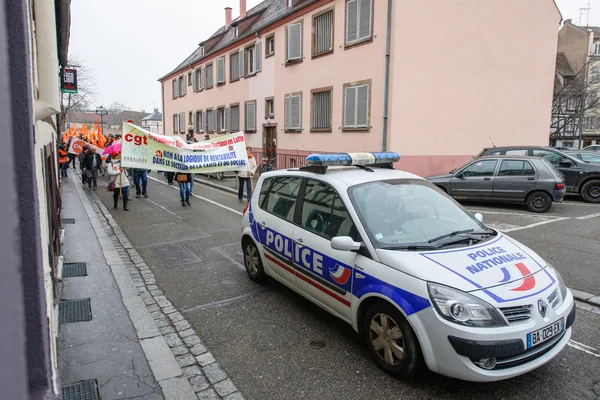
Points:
[(76, 147), (147, 150)]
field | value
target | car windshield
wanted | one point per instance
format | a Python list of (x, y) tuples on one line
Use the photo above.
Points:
[(590, 157), (410, 212)]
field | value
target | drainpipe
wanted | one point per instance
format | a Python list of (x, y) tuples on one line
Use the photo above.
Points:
[(387, 76)]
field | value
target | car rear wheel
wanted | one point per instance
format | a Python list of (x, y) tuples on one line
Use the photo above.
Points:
[(539, 202), (391, 341), (590, 191), (253, 262)]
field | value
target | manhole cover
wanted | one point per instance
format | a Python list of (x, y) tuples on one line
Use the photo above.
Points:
[(68, 221), (175, 255), (317, 344), (75, 311), (71, 270), (84, 390)]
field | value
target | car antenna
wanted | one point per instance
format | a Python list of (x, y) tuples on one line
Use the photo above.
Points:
[(493, 144)]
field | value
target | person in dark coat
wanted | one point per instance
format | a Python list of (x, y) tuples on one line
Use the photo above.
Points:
[(92, 163), (81, 156)]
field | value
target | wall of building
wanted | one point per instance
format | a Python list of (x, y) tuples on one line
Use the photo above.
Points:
[(575, 43)]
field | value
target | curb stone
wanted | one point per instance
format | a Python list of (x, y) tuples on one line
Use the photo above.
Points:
[(586, 297), (196, 372)]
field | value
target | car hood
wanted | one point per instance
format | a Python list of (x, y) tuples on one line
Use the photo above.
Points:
[(503, 268), (439, 178)]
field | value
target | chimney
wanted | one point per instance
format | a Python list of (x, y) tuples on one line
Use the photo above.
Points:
[(242, 8), (227, 17)]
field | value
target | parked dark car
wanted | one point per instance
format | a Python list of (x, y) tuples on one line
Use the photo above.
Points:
[(580, 177), (594, 147), (565, 148), (510, 179), (587, 156)]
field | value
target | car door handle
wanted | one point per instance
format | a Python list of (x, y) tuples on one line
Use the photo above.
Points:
[(299, 241), (531, 178), (487, 179), (263, 224)]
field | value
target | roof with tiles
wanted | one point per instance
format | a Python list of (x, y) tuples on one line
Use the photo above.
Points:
[(256, 18)]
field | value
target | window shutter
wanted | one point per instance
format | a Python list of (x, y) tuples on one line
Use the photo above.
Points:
[(235, 118), (294, 42), (203, 121), (296, 112), (241, 62), (351, 21), (175, 88), (209, 76), (362, 106), (194, 81), (258, 56), (364, 19), (194, 122), (182, 123), (175, 124), (227, 126), (350, 107), (234, 64), (287, 113), (250, 116), (323, 33), (183, 85), (221, 70), (201, 78)]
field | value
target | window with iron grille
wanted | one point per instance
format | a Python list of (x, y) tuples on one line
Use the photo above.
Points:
[(209, 76), (234, 67), (220, 70), (321, 110), (235, 118), (293, 112), (250, 113), (323, 33), (359, 21), (293, 39), (356, 106)]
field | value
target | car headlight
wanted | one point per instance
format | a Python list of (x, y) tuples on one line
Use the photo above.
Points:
[(462, 308), (561, 283)]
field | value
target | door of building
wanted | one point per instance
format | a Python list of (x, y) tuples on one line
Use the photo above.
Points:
[(270, 145)]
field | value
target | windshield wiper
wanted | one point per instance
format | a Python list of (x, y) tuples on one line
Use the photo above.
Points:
[(411, 247), (456, 233)]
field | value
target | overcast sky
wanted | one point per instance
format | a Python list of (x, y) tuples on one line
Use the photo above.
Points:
[(129, 44)]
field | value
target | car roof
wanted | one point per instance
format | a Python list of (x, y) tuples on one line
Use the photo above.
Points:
[(348, 176), (584, 151), (517, 157), (520, 147)]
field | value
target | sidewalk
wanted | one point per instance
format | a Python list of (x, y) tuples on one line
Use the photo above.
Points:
[(136, 345)]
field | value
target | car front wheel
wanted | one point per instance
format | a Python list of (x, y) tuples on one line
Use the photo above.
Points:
[(539, 202), (391, 341), (590, 191), (253, 262)]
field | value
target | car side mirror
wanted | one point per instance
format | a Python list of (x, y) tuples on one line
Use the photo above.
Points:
[(478, 217), (459, 175), (344, 243), (565, 163)]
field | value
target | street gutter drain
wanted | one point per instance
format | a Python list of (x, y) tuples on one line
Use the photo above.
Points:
[(317, 344), (84, 390), (71, 270), (75, 311), (68, 221)]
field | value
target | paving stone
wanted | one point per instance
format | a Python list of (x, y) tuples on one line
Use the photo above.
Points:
[(156, 292), (208, 394), (153, 308), (191, 371), (142, 289), (139, 282), (234, 396), (163, 303), (205, 359), (199, 383), (198, 349), (169, 309), (150, 281), (166, 330), (173, 340), (185, 360), (145, 295), (175, 317), (177, 388), (153, 287), (149, 301), (224, 388), (160, 358), (179, 350), (214, 372), (162, 321), (187, 333), (157, 314), (191, 340), (182, 325)]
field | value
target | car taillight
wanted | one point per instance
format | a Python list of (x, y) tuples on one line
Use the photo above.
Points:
[(245, 209), (559, 186)]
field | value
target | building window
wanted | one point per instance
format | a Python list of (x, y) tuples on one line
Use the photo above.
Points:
[(356, 106), (211, 120), (323, 33), (209, 76), (221, 120), (293, 41), (201, 51), (175, 88), (270, 45), (253, 58), (189, 78), (250, 112), (235, 118), (359, 21), (221, 70), (234, 66), (269, 107), (198, 121), (191, 118), (182, 86), (571, 103), (293, 112), (321, 109), (175, 124), (198, 79), (182, 122), (596, 49)]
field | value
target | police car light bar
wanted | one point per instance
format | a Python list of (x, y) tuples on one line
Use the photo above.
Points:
[(348, 159)]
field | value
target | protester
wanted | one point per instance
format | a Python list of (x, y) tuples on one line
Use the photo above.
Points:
[(120, 179), (170, 176), (140, 178), (245, 177), (92, 164), (63, 161), (184, 181), (71, 155), (81, 157)]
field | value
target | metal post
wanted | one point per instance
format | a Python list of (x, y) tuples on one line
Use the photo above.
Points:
[(102, 112)]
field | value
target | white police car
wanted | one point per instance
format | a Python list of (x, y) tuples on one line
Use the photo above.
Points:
[(418, 275)]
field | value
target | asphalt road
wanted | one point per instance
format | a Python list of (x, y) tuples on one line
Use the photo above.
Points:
[(261, 334)]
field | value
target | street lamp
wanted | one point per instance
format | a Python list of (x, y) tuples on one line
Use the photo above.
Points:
[(101, 112)]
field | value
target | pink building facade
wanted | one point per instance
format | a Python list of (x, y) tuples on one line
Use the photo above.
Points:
[(310, 76)]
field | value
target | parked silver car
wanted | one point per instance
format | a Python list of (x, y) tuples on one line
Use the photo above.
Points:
[(510, 179)]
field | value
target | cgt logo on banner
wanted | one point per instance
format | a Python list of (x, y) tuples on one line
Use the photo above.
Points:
[(76, 147), (147, 150)]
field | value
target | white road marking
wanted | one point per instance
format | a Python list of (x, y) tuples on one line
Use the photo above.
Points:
[(575, 203), (586, 349), (169, 211), (589, 216), (537, 224), (519, 214), (201, 198)]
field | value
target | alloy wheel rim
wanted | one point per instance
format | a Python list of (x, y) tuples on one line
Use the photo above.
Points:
[(251, 258), (387, 339)]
